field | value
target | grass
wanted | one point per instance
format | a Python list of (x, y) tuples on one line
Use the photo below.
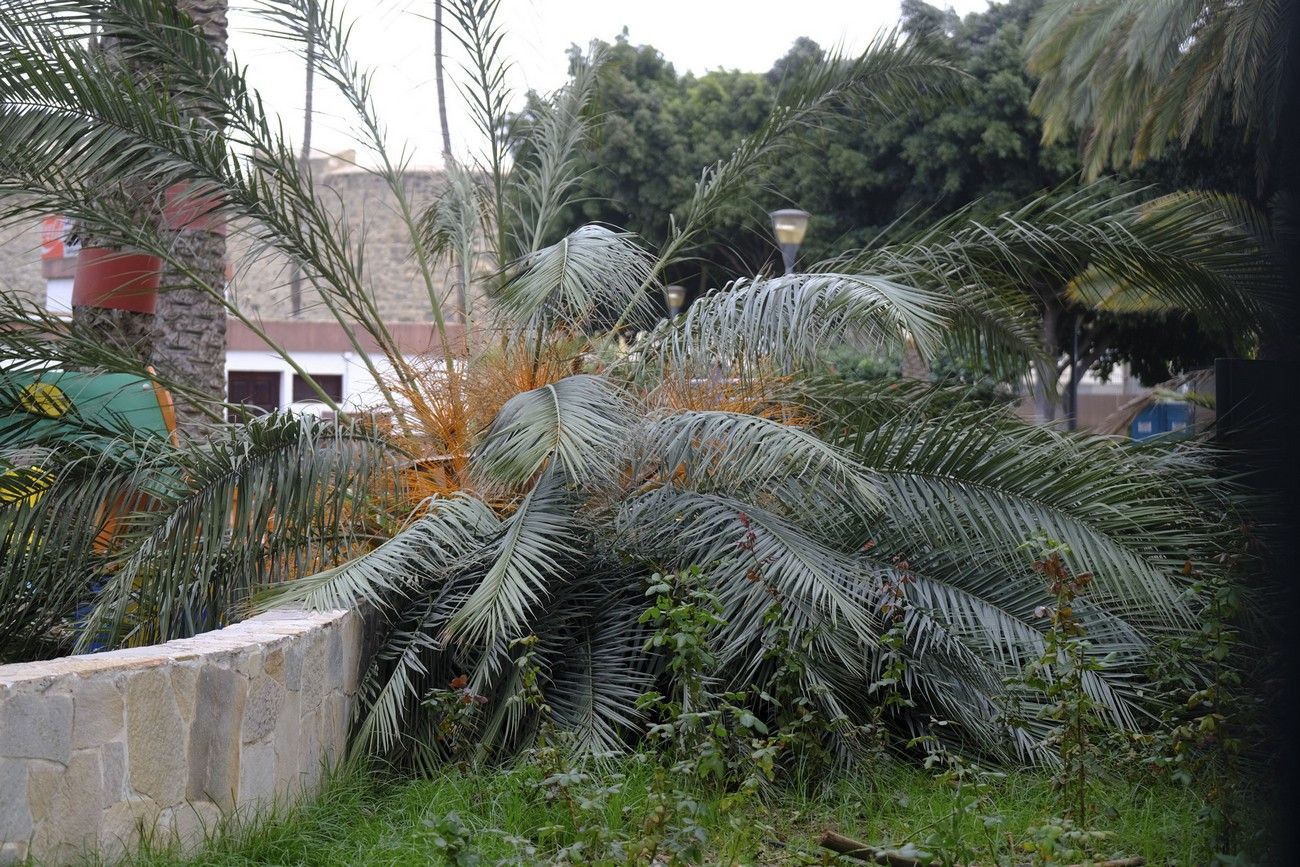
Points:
[(381, 820)]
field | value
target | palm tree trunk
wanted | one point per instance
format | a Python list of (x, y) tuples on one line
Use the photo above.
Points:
[(1045, 406), (914, 366), (190, 324), (185, 338)]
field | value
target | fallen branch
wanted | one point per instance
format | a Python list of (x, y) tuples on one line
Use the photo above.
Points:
[(856, 849)]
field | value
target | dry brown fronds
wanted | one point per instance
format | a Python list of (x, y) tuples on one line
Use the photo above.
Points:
[(766, 396), (450, 409)]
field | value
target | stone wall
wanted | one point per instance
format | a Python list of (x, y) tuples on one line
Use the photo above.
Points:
[(260, 278), (362, 201), (169, 739)]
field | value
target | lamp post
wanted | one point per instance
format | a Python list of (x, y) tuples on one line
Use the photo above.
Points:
[(676, 298), (789, 225)]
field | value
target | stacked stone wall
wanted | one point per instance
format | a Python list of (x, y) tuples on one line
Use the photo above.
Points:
[(168, 740), (260, 280)]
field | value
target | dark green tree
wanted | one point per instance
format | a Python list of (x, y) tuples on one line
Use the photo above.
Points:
[(869, 175)]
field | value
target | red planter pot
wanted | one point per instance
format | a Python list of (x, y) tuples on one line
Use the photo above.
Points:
[(116, 279)]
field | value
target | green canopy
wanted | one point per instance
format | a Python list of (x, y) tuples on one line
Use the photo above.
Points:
[(70, 405)]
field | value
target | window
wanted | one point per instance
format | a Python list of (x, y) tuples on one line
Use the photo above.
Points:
[(256, 388), (330, 383)]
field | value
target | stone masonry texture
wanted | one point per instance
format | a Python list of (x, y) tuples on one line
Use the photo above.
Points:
[(259, 284), (171, 739)]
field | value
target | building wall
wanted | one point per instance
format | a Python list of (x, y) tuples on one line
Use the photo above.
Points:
[(260, 284), (20, 262), (171, 739), (260, 278)]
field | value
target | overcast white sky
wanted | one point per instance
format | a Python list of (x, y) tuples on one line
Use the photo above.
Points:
[(395, 39)]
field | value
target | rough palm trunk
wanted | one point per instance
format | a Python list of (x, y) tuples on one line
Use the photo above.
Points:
[(185, 339), (914, 366), (190, 325)]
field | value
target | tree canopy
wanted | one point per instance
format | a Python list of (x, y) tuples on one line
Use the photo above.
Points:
[(870, 175)]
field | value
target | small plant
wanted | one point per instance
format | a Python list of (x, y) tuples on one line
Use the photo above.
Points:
[(1061, 841), (450, 837), (946, 841), (704, 735), (1060, 674), (458, 715), (886, 689), (1208, 711), (802, 728)]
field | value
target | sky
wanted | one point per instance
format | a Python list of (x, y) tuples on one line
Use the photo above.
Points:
[(394, 39)]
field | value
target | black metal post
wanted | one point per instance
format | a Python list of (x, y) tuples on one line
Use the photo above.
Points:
[(1072, 419)]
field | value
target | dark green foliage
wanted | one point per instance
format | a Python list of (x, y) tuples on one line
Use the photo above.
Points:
[(132, 542), (873, 175)]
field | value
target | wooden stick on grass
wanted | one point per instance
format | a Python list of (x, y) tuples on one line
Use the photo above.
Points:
[(856, 849)]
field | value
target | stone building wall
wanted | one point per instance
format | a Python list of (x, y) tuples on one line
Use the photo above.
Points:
[(170, 739), (259, 284), (20, 262)]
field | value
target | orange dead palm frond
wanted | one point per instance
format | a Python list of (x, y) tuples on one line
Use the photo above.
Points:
[(765, 396), (450, 409)]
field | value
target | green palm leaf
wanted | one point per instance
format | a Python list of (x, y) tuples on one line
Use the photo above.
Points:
[(576, 423), (519, 564), (789, 321)]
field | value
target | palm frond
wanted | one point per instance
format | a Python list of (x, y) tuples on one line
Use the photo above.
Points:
[(788, 322), (434, 545), (284, 485), (577, 423), (519, 564), (976, 490), (1201, 252), (593, 270), (1135, 77), (601, 669), (735, 452), (543, 182)]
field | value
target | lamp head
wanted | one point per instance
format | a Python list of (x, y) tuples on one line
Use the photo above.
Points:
[(676, 298), (790, 225)]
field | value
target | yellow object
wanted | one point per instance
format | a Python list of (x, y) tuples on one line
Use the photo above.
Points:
[(44, 399), (24, 485)]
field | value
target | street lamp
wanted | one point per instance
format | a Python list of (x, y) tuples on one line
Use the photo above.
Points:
[(676, 298), (789, 225)]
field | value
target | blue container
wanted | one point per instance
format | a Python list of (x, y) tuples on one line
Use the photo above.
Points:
[(1161, 419)]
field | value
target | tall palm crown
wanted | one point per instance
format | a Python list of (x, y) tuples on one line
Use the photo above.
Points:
[(1135, 76), (557, 460)]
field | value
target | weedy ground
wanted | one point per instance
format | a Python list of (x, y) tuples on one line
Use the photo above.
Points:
[(502, 816)]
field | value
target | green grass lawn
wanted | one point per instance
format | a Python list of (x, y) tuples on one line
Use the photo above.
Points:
[(378, 819)]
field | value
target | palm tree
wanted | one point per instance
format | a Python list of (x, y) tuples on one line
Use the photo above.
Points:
[(190, 324), (1136, 76), (185, 338), (157, 522), (573, 446)]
